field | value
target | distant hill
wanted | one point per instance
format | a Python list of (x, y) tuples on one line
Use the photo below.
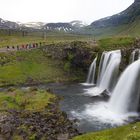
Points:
[(67, 27), (124, 23), (34, 25), (5, 24), (64, 27)]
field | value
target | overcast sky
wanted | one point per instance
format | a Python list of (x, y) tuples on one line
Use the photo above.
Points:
[(60, 10)]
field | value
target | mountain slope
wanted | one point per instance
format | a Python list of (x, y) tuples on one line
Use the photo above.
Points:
[(68, 27), (34, 25), (5, 24), (124, 23)]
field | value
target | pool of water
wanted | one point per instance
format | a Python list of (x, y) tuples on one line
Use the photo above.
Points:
[(92, 112), (75, 102)]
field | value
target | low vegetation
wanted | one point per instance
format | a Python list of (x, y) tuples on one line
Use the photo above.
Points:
[(35, 37), (30, 99), (116, 42), (32, 114), (32, 67), (128, 132)]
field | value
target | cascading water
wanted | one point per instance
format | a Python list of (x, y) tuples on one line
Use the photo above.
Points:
[(135, 55), (91, 73), (125, 97), (108, 72), (124, 103), (132, 57)]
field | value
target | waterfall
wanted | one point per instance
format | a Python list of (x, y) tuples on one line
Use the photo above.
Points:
[(125, 97), (132, 58), (135, 55), (108, 72), (109, 69), (91, 73)]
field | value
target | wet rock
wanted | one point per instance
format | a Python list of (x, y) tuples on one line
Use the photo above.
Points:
[(105, 94)]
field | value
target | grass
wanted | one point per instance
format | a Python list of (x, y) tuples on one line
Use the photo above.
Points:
[(18, 40), (31, 67), (128, 132), (130, 30), (115, 42), (36, 37), (31, 100)]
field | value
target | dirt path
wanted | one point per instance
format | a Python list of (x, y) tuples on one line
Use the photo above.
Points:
[(4, 50)]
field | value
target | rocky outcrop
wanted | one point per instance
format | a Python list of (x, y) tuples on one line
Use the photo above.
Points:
[(126, 54), (78, 54)]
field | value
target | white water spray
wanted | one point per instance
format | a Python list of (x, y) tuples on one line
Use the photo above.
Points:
[(135, 55), (91, 73), (125, 97), (108, 72)]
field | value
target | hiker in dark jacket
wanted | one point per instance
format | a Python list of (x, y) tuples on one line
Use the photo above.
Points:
[(17, 47), (36, 44), (8, 47), (30, 46), (27, 46)]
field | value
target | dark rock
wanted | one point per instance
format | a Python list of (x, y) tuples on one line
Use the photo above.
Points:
[(39, 125), (105, 94)]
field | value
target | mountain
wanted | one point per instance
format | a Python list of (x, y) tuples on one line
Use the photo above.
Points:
[(34, 25), (123, 23), (77, 23), (67, 27), (5, 24), (72, 26)]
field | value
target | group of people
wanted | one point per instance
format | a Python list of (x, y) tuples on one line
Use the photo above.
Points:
[(26, 46)]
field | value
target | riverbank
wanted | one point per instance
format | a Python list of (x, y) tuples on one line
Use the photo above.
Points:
[(128, 132), (33, 114)]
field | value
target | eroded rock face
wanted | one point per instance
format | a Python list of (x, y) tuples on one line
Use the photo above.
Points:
[(77, 53), (126, 54)]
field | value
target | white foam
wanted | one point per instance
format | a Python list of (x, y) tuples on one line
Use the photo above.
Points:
[(87, 84), (94, 91), (100, 112)]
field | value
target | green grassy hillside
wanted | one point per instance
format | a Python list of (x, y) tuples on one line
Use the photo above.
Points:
[(31, 67), (128, 132), (131, 30)]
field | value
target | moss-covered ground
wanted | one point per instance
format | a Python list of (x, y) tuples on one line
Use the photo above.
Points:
[(31, 99)]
